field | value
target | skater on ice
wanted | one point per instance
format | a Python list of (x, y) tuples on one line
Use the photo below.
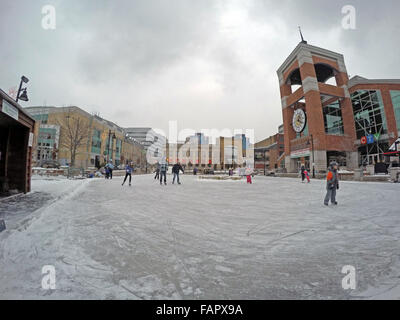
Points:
[(175, 171), (307, 175), (302, 169), (110, 168), (249, 172), (332, 184), (163, 172), (157, 172), (128, 172)]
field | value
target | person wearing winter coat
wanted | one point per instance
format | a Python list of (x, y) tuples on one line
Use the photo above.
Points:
[(332, 184), (157, 172), (128, 172), (163, 172), (110, 167), (248, 173), (175, 171), (307, 175), (303, 176)]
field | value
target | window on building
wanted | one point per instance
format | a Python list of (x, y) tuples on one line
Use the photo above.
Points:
[(96, 141), (369, 115), (395, 94), (42, 118), (333, 118)]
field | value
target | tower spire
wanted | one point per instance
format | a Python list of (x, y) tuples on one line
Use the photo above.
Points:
[(301, 35)]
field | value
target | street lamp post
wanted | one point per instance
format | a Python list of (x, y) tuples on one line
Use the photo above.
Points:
[(265, 163), (108, 147), (21, 94), (313, 161)]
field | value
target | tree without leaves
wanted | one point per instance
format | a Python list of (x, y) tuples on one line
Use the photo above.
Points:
[(75, 134)]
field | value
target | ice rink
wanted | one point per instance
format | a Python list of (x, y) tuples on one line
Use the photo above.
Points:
[(200, 240)]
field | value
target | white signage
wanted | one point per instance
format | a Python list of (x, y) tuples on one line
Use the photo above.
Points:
[(10, 110), (300, 153), (30, 142)]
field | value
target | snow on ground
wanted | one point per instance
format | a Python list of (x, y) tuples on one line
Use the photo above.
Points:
[(203, 240)]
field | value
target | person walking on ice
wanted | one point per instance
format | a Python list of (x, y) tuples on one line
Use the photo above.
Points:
[(128, 172), (332, 184), (175, 171)]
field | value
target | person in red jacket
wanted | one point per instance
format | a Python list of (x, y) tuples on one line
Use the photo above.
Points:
[(307, 175), (332, 184)]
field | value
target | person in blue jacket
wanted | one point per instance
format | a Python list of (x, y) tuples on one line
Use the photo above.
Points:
[(110, 168), (128, 172)]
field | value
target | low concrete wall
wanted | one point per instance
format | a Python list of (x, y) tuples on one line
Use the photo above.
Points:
[(347, 176)]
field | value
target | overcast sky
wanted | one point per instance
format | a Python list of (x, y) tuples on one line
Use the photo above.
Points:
[(205, 63)]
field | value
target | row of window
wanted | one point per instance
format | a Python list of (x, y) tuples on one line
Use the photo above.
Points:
[(368, 112)]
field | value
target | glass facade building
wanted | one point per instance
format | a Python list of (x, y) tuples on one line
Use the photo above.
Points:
[(369, 113), (333, 120), (395, 95)]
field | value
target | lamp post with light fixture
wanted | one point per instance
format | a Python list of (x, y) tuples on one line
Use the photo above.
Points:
[(21, 94)]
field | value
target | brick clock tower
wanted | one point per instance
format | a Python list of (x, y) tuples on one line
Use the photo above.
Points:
[(317, 115)]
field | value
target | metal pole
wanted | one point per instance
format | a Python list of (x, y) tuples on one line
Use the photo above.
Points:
[(313, 160), (108, 147), (19, 90), (265, 162)]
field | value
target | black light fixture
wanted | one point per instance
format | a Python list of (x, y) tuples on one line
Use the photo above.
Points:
[(22, 95)]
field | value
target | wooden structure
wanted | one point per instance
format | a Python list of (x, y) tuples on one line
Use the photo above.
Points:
[(16, 139)]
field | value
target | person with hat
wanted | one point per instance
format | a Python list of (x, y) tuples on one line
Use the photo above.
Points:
[(332, 184)]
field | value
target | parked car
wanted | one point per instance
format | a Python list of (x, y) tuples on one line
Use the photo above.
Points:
[(50, 164)]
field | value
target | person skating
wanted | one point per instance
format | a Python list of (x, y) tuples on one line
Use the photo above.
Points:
[(175, 171), (128, 172), (163, 172), (307, 174), (303, 176), (195, 171), (110, 167), (107, 172), (332, 184), (248, 173), (157, 172)]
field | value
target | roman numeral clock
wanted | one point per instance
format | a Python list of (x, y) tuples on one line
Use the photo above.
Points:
[(299, 120)]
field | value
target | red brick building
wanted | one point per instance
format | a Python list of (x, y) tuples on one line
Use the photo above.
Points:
[(328, 117), (268, 153)]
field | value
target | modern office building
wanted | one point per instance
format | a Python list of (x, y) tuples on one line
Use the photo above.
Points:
[(74, 137), (327, 116)]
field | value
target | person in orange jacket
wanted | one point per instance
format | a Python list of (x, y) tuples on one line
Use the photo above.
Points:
[(332, 184)]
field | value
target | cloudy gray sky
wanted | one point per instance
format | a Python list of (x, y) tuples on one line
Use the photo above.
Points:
[(206, 64)]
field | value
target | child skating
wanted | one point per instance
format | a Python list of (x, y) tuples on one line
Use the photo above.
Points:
[(128, 172)]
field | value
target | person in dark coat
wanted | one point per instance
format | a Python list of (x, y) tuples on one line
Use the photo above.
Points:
[(157, 172), (332, 184), (175, 170), (303, 175)]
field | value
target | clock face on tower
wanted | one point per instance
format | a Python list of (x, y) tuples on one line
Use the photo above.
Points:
[(299, 120)]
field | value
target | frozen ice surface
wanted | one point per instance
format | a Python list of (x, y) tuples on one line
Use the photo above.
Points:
[(201, 240)]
